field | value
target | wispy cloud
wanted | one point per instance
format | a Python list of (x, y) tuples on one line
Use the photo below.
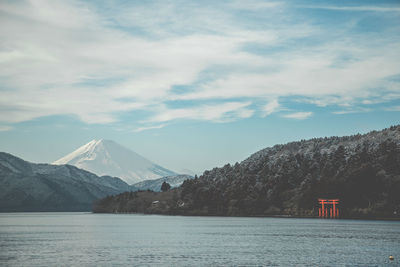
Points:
[(4, 128), (298, 115), (141, 129), (256, 5), (393, 108), (98, 62), (358, 8), (271, 107), (225, 112), (352, 110)]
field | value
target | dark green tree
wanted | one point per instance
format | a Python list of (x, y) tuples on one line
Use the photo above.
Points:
[(165, 186)]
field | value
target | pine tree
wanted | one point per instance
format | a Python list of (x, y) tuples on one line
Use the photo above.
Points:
[(165, 186)]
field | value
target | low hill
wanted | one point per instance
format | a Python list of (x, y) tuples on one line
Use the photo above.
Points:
[(363, 171), (155, 185), (26, 186)]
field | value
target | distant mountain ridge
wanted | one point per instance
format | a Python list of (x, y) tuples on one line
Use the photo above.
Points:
[(106, 157), (26, 186)]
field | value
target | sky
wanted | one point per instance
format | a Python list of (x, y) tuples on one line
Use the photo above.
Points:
[(194, 84)]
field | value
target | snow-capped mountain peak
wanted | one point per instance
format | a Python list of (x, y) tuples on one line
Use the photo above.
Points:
[(106, 157)]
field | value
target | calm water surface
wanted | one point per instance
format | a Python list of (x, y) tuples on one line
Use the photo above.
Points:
[(49, 239)]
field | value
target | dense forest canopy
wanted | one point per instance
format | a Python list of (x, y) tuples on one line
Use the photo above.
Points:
[(363, 171)]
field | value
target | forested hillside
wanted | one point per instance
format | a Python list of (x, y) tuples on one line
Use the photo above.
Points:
[(26, 186), (363, 171)]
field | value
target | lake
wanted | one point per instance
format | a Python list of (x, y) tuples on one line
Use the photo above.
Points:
[(49, 239)]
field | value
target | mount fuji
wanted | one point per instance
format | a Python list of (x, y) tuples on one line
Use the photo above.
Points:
[(106, 157)]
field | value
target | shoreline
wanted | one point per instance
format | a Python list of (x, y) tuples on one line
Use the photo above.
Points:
[(218, 215), (259, 216)]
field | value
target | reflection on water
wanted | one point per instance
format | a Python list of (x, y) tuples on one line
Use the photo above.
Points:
[(149, 240)]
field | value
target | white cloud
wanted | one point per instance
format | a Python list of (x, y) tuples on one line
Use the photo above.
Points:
[(352, 110), (4, 128), (141, 129), (298, 115), (271, 107), (308, 74), (65, 45), (255, 5), (393, 108), (218, 113), (358, 8), (68, 57)]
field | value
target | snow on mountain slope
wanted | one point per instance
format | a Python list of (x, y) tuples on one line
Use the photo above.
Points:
[(106, 157)]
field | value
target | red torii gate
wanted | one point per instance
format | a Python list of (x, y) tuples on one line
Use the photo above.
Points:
[(323, 211)]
